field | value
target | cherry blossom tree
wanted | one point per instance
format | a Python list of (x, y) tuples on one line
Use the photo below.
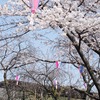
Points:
[(13, 56), (77, 21)]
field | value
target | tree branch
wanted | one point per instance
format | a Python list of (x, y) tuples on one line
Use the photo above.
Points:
[(86, 63)]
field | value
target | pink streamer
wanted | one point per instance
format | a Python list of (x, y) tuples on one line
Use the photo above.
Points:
[(17, 79), (17, 83), (55, 82), (58, 64), (34, 5)]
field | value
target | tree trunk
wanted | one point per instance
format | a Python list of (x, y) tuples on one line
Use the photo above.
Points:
[(55, 98), (41, 95), (69, 95), (35, 95), (6, 85), (23, 98)]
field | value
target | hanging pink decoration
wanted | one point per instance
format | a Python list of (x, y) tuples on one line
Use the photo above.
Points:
[(17, 79), (55, 83), (34, 5), (58, 64)]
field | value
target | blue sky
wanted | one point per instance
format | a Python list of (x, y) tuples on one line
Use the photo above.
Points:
[(2, 2)]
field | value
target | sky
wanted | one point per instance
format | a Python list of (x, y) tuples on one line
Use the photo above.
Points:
[(2, 2)]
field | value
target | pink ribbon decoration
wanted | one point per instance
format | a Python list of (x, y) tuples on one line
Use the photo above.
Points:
[(55, 83), (17, 79), (34, 5), (58, 64)]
